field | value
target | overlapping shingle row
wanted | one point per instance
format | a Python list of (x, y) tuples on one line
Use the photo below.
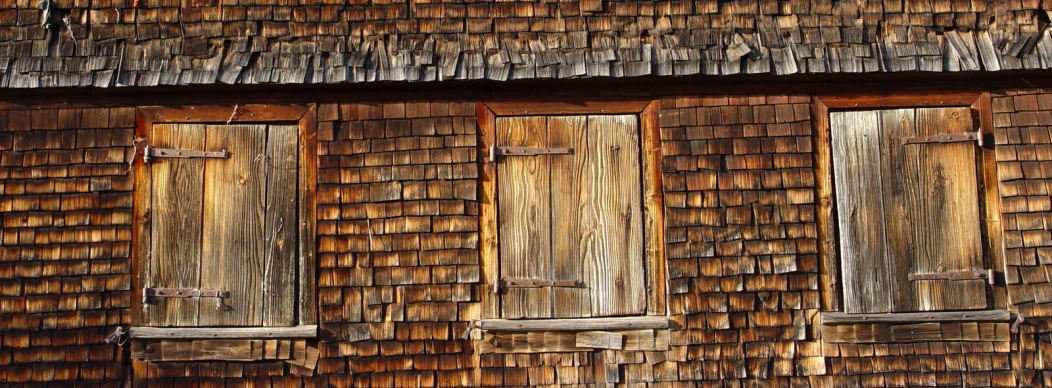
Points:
[(104, 43)]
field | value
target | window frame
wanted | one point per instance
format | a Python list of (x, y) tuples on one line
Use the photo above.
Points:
[(989, 202), (305, 117), (487, 113)]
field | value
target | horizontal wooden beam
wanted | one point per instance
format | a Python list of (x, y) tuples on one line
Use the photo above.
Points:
[(899, 99), (302, 331), (836, 318), (574, 324), (230, 114), (567, 107)]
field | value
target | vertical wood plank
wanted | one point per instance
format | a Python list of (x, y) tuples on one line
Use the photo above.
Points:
[(232, 255), (653, 211), (142, 208), (308, 223), (990, 201), (279, 255), (946, 213), (860, 211), (523, 215), (896, 171), (177, 224), (572, 258), (829, 264), (615, 241), (489, 233)]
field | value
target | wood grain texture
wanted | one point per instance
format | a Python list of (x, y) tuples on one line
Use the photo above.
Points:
[(176, 195), (946, 213), (142, 208), (580, 324), (308, 222), (653, 211), (582, 107), (280, 228), (222, 113), (612, 222), (829, 265), (834, 318), (488, 230), (897, 168), (524, 211), (301, 331), (233, 244), (990, 202), (572, 258), (899, 99), (855, 147)]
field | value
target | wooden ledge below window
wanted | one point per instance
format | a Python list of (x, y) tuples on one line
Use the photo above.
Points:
[(301, 331), (574, 324), (955, 326), (837, 318), (648, 333)]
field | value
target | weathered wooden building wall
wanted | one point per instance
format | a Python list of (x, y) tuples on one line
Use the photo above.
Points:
[(399, 268)]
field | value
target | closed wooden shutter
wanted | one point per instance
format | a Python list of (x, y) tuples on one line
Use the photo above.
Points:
[(574, 217), (907, 213), (225, 224)]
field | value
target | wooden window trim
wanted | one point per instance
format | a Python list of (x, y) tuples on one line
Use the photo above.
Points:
[(653, 203), (990, 200), (305, 116)]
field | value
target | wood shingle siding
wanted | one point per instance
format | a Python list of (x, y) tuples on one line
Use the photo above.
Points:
[(395, 198), (157, 43)]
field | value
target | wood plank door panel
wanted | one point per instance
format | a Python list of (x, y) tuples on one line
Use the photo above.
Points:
[(233, 244), (524, 211), (946, 213), (616, 215), (281, 226), (898, 167), (572, 255), (855, 143), (176, 224), (906, 210)]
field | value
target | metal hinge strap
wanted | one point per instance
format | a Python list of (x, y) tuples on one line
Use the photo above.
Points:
[(956, 275), (946, 138), (151, 152), (537, 283), (150, 292), (495, 151)]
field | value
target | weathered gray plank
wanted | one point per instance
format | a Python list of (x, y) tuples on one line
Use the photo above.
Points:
[(896, 124), (855, 146)]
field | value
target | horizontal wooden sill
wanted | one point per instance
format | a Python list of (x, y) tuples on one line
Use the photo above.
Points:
[(837, 318), (574, 324), (301, 331)]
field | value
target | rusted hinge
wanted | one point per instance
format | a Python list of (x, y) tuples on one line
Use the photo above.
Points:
[(956, 275), (151, 152), (535, 283), (495, 151), (947, 138), (151, 292)]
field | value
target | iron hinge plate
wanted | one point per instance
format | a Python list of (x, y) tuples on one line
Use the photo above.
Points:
[(955, 275), (495, 151), (152, 152), (976, 136)]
